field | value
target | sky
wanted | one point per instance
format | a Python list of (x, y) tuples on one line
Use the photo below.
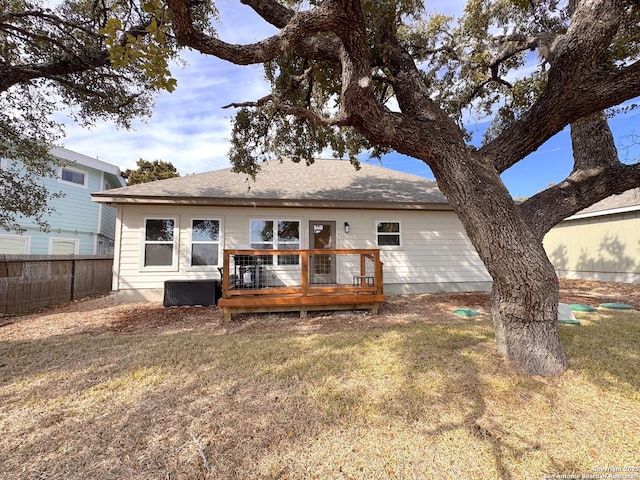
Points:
[(190, 129)]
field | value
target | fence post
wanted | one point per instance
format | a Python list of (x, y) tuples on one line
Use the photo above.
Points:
[(73, 278)]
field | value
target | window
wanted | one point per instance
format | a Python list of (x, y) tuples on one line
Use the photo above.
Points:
[(63, 246), (205, 242), (72, 175), (279, 235), (14, 244), (388, 234), (158, 242)]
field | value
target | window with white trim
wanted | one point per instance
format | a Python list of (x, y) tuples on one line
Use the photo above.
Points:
[(14, 244), (278, 235), (388, 234), (205, 242), (63, 246), (159, 242), (74, 176)]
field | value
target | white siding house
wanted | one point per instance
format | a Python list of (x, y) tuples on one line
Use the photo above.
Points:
[(176, 229)]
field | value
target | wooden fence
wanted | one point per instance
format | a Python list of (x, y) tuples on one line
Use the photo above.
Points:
[(31, 282)]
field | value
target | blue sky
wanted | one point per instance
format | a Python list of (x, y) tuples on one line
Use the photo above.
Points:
[(190, 129)]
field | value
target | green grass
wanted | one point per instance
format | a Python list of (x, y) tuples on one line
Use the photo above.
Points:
[(417, 401)]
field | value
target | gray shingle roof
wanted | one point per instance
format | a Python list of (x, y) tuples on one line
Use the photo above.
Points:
[(324, 183), (626, 200)]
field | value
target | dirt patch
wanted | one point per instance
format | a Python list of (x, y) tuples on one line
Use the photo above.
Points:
[(102, 315)]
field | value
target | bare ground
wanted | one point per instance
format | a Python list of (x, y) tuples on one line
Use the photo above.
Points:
[(102, 314)]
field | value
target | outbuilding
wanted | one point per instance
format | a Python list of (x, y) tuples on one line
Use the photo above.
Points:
[(601, 242)]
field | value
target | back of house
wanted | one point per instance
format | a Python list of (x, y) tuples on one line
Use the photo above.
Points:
[(177, 229)]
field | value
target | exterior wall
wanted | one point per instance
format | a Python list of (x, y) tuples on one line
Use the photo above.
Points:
[(605, 248), (75, 219), (435, 254)]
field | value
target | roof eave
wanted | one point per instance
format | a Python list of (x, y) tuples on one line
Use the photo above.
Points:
[(261, 202), (601, 213)]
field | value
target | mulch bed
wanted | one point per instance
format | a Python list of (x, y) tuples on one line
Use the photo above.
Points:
[(102, 315)]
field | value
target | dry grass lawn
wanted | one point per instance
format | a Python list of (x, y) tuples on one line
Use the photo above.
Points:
[(95, 390)]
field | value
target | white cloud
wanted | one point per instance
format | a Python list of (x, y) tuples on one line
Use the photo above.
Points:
[(189, 127)]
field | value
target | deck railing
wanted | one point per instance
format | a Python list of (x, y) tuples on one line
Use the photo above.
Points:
[(269, 280)]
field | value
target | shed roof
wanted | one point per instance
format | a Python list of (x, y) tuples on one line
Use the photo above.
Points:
[(624, 202), (325, 183)]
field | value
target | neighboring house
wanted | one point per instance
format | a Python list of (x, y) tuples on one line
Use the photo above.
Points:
[(78, 225), (176, 229), (601, 242)]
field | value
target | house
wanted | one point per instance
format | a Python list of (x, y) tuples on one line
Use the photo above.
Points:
[(601, 242), (177, 229), (78, 225)]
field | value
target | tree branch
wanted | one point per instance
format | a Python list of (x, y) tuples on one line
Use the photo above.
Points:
[(597, 173), (272, 11), (12, 75), (578, 191), (305, 113), (561, 105), (299, 27), (514, 44), (67, 61), (579, 83)]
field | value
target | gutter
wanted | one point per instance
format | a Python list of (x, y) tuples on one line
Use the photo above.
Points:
[(602, 213), (231, 202)]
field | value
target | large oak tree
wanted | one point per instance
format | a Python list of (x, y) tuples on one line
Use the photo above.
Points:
[(355, 75), (380, 76)]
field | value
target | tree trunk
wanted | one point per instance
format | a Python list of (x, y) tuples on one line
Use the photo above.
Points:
[(525, 286), (525, 317)]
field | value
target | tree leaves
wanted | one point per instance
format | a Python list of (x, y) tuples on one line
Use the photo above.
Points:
[(150, 171), (58, 58)]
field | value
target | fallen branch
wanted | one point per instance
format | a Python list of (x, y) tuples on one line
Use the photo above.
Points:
[(200, 448)]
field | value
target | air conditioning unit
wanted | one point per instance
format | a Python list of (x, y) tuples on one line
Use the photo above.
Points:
[(191, 292)]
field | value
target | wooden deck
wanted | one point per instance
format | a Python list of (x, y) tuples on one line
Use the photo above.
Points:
[(300, 280)]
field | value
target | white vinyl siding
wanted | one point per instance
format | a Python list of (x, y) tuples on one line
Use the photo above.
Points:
[(14, 244), (435, 249), (600, 248)]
